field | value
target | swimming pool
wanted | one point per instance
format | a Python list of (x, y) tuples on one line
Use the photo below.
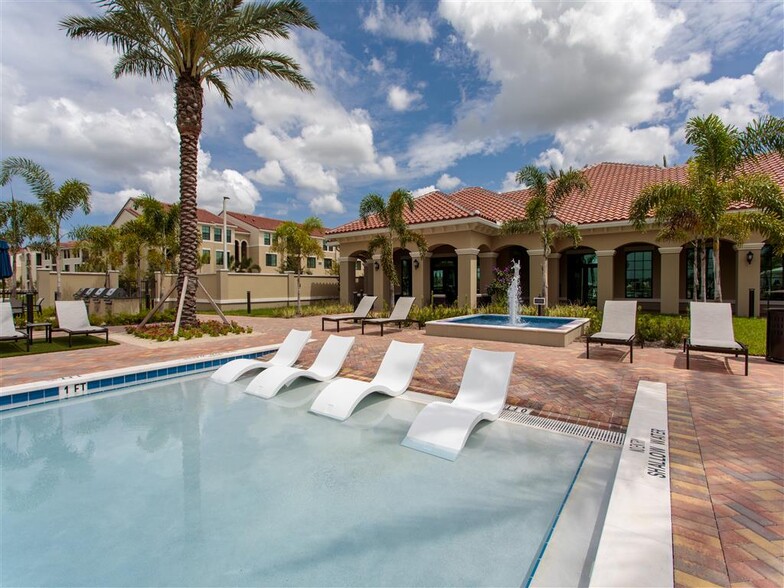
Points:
[(533, 330), (188, 482)]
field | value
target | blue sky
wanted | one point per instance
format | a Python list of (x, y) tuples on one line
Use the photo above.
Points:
[(419, 95)]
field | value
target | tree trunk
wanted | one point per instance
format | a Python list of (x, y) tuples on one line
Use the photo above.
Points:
[(695, 269), (545, 284), (189, 118), (299, 289), (56, 258), (716, 271), (29, 270), (703, 273)]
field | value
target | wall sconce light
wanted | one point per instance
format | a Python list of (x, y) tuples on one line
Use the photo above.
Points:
[(376, 265), (416, 264), (749, 257)]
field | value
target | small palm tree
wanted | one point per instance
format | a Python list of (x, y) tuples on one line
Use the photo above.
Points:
[(21, 223), (244, 266), (158, 226), (57, 204), (295, 243), (103, 246), (390, 213), (191, 43), (549, 190)]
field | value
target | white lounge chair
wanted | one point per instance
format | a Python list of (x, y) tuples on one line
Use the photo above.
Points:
[(286, 355), (711, 330), (619, 326), (8, 330), (398, 315), (339, 399), (442, 428), (361, 312), (72, 318), (326, 366)]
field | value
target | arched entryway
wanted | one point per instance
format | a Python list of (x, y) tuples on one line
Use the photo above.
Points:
[(404, 268), (443, 275), (516, 253), (579, 276), (637, 274)]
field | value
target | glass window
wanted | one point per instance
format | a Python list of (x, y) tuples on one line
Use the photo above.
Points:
[(327, 264), (639, 274), (324, 246), (219, 258), (771, 275), (358, 267), (311, 262), (38, 259), (67, 268), (271, 260), (205, 233), (690, 281), (218, 233), (205, 256), (228, 235), (267, 238)]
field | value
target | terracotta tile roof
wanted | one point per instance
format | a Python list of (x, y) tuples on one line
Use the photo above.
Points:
[(614, 186), (263, 223), (433, 206)]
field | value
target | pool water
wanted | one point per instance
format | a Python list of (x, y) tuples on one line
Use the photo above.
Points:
[(193, 483), (502, 320)]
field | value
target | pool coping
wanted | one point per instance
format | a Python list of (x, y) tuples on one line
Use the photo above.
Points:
[(44, 391)]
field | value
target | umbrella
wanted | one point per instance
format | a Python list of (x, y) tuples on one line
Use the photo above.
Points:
[(5, 261)]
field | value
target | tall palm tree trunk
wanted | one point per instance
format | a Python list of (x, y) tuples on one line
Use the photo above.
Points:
[(695, 269), (703, 272), (58, 293), (716, 271), (189, 112)]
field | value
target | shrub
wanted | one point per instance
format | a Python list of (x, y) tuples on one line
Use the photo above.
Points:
[(433, 313), (165, 331), (670, 329)]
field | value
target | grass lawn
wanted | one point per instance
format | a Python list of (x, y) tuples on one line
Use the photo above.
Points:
[(10, 349), (751, 331)]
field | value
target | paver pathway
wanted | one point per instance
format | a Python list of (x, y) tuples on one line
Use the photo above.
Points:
[(726, 430)]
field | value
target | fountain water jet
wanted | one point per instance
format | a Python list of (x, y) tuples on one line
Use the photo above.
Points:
[(513, 295)]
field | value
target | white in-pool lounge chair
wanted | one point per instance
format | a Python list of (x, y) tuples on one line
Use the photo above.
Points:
[(711, 330), (72, 318), (8, 330), (286, 355), (326, 366), (361, 312), (339, 399), (398, 315), (619, 326), (442, 429)]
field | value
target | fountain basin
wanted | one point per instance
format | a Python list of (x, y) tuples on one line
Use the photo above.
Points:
[(549, 331)]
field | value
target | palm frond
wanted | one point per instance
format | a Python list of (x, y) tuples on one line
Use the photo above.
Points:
[(373, 204), (37, 178)]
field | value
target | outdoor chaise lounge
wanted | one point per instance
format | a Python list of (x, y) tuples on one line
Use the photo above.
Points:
[(711, 330), (361, 312), (72, 318), (442, 428), (326, 366), (398, 315), (286, 355), (8, 330), (619, 326), (339, 399)]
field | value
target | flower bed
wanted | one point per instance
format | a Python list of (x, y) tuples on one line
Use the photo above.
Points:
[(165, 331)]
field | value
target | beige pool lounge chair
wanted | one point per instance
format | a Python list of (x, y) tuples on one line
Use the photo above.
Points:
[(442, 428), (325, 367), (361, 312), (286, 355), (711, 330), (339, 399), (72, 318), (8, 330), (398, 315), (619, 326)]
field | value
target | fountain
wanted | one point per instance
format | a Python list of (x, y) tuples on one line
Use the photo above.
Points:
[(513, 295)]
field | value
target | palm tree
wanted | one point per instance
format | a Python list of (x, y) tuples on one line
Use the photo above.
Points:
[(390, 213), (20, 223), (548, 191), (103, 246), (192, 43), (715, 181), (57, 204), (244, 266), (295, 243), (158, 225)]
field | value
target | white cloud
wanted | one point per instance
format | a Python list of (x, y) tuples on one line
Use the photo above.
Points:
[(397, 24), (447, 182), (400, 99), (769, 74), (510, 183), (735, 100), (376, 65), (438, 148), (327, 204), (422, 191), (269, 175)]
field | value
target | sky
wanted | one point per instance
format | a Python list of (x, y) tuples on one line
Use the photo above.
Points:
[(420, 95)]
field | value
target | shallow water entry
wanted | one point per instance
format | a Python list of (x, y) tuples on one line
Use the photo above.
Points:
[(194, 483)]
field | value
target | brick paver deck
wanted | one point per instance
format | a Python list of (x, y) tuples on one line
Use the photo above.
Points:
[(726, 430)]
